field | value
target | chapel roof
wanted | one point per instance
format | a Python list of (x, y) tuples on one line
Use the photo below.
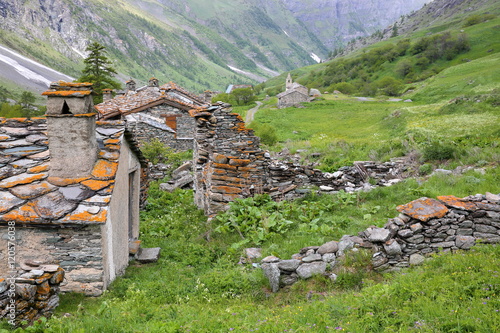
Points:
[(28, 195)]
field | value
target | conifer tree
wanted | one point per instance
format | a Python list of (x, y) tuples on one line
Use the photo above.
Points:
[(98, 71)]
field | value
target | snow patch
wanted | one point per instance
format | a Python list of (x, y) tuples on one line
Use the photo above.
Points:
[(29, 74), (286, 33), (269, 70), (32, 62), (315, 57), (238, 70), (81, 54)]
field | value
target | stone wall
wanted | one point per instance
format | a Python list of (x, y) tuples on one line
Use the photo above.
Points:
[(424, 226), (151, 124), (228, 162), (77, 248), (31, 294), (288, 179)]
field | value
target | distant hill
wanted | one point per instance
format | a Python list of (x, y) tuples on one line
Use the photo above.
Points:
[(443, 34), (198, 44)]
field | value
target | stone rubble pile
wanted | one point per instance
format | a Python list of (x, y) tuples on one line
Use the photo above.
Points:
[(424, 226), (182, 177), (291, 180), (35, 293)]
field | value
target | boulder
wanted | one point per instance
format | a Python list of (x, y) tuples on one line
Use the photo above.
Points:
[(330, 247), (307, 270)]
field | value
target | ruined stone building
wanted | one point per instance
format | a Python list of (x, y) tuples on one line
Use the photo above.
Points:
[(154, 112), (71, 188), (294, 94)]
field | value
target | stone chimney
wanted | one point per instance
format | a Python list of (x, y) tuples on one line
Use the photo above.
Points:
[(130, 85), (153, 82), (107, 94), (71, 129)]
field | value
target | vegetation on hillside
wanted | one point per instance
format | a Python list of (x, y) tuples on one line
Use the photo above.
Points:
[(19, 105)]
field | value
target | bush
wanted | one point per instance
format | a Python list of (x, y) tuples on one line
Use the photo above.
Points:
[(404, 67), (390, 86), (475, 19), (436, 151), (267, 134), (345, 88)]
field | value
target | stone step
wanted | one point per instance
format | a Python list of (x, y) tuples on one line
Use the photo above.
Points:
[(148, 255)]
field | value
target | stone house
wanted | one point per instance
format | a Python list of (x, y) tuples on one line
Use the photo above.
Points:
[(70, 188), (294, 94), (154, 112)]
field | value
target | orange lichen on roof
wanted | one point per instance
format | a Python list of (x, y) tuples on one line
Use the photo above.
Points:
[(113, 147), (25, 213), (423, 209), (21, 179), (66, 93), (58, 181), (30, 191), (39, 168), (84, 216), (74, 84), (104, 170), (96, 185), (4, 137)]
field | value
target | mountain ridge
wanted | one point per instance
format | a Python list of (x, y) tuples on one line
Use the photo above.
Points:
[(200, 45)]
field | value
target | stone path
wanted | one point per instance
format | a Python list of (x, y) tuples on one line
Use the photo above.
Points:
[(251, 113)]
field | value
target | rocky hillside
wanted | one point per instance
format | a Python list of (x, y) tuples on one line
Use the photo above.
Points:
[(336, 22), (199, 44), (437, 12)]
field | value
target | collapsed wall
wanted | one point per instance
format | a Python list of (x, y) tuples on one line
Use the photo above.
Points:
[(228, 161), (229, 164), (31, 294), (424, 226)]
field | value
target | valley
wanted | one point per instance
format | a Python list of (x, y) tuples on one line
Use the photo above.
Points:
[(428, 95)]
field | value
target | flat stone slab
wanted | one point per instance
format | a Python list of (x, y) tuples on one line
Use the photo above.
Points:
[(148, 255), (457, 203), (423, 209)]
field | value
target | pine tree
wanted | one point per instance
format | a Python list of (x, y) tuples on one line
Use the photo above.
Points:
[(98, 71)]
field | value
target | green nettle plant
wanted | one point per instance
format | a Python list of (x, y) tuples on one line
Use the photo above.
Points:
[(255, 219)]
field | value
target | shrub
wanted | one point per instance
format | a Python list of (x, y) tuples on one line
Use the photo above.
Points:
[(267, 134), (436, 151), (390, 86), (404, 67), (345, 88), (475, 19)]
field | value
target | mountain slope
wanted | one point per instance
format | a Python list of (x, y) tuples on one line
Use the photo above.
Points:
[(199, 44), (336, 22)]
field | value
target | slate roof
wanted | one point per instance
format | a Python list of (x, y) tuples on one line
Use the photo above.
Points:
[(136, 101), (289, 92), (28, 195)]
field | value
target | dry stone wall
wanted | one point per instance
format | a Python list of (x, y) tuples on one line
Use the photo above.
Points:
[(229, 164), (424, 226), (31, 294), (228, 161)]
